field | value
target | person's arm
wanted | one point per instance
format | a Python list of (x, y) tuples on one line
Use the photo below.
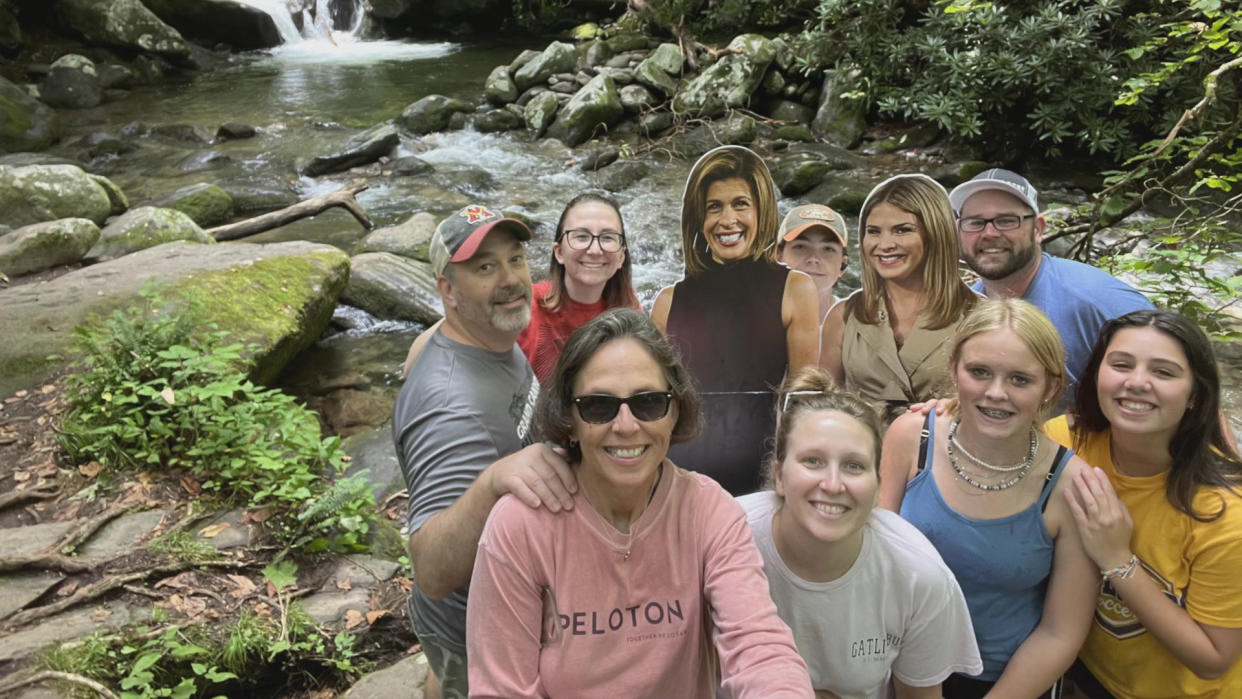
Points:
[(898, 458), (831, 337), (1105, 526), (660, 307), (442, 549), (504, 619), (1048, 652), (800, 315), (905, 691), (416, 347), (758, 658)]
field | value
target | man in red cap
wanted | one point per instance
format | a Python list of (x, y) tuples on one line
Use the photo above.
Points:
[(462, 424)]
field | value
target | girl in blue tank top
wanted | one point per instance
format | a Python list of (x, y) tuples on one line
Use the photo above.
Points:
[(981, 483)]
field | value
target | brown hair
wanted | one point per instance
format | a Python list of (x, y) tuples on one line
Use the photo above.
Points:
[(619, 291), (721, 164)]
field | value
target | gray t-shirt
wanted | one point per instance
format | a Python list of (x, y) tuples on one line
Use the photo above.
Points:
[(461, 409)]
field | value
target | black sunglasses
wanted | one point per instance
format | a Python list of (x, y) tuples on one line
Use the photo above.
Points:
[(648, 406)]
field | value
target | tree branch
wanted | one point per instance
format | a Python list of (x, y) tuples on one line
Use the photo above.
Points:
[(46, 675), (343, 198)]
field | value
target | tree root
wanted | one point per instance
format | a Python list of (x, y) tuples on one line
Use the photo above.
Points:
[(87, 528), (17, 497), (343, 198), (47, 675), (50, 561)]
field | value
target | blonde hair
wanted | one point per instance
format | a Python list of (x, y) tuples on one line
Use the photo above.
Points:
[(1032, 327), (724, 163), (948, 297)]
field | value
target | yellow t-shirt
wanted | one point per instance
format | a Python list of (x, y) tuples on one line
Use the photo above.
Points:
[(1197, 564)]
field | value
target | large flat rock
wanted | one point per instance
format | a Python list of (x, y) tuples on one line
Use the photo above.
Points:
[(122, 534), (278, 296), (404, 678), (17, 542), (20, 588), (76, 623)]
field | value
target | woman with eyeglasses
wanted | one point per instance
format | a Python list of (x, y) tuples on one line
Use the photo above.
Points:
[(739, 319), (589, 272), (873, 608), (1160, 515), (889, 341), (650, 586), (987, 488)]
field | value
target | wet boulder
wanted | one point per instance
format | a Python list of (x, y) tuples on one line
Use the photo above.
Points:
[(28, 124), (203, 160), (540, 112), (142, 228), (431, 113), (228, 22), (366, 147), (636, 98), (737, 130), (787, 110), (206, 204), (392, 287), (526, 56), (409, 238), (274, 299), (389, 9), (407, 166), (115, 75), (622, 175), (234, 130), (595, 107), (117, 200), (650, 74), (730, 81), (840, 120), (558, 57), (799, 175), (500, 88), (37, 193), (124, 23), (497, 120), (653, 123), (72, 82), (41, 246)]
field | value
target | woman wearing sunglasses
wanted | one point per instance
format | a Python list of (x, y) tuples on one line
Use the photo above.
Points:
[(650, 586), (589, 272)]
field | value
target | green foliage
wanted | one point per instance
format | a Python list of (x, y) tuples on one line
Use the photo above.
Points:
[(732, 16), (178, 663), (157, 391), (183, 546)]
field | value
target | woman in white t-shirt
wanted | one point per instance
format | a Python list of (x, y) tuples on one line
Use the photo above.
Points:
[(870, 602)]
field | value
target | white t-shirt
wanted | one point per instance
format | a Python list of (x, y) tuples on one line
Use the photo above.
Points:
[(898, 609)]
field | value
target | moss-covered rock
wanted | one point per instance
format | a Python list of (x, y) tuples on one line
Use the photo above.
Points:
[(72, 82), (116, 197), (145, 227), (799, 175), (431, 113), (840, 120), (41, 246), (25, 122), (37, 193), (497, 120), (392, 287), (499, 87), (595, 107), (360, 149), (206, 204), (650, 74), (636, 98), (558, 57), (540, 111), (125, 23), (407, 239), (737, 130), (730, 81), (276, 299)]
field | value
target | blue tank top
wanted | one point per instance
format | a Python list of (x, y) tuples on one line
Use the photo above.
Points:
[(1001, 564)]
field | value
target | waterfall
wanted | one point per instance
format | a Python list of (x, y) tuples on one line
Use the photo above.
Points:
[(316, 18)]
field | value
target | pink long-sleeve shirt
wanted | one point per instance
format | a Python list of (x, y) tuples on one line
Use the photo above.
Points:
[(652, 613)]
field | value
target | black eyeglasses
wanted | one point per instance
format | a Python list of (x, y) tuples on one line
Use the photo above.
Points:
[(647, 407), (581, 239), (1004, 222)]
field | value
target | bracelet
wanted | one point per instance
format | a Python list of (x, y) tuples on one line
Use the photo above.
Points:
[(1121, 572)]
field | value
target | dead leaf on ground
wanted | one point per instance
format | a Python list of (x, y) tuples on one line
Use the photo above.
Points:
[(21, 394), (259, 515), (344, 585), (48, 388), (67, 589), (377, 614), (353, 618), (21, 476), (263, 610), (144, 478), (190, 485), (91, 469), (211, 531), (194, 606), (41, 420), (180, 581), (406, 584), (245, 585), (100, 614), (70, 511)]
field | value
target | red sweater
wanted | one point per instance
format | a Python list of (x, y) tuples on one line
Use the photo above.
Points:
[(548, 331)]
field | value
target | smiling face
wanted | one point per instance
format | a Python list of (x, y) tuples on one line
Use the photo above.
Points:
[(588, 271), (993, 254), (1001, 385), (489, 293), (622, 455), (1144, 383), (819, 253), (730, 218), (828, 478), (892, 242)]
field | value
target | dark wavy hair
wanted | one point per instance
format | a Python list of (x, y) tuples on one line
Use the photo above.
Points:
[(1202, 456), (554, 418), (619, 291)]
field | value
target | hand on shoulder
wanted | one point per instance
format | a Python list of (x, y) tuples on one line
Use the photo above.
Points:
[(538, 475)]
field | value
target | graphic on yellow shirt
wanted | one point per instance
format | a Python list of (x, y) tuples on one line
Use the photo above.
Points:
[(1112, 614)]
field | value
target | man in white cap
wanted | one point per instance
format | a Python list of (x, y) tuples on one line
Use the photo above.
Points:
[(460, 423), (813, 240), (1001, 230)]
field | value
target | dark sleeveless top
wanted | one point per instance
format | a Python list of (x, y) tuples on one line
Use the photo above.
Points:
[(726, 322)]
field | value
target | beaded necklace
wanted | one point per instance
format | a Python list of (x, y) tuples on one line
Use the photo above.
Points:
[(1023, 468)]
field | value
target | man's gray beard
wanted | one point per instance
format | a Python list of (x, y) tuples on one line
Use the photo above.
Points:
[(512, 321)]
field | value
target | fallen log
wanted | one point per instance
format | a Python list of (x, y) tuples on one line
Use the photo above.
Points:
[(343, 198)]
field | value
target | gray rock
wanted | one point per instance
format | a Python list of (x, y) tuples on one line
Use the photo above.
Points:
[(597, 53), (843, 191), (41, 246), (600, 158), (626, 41), (730, 81), (668, 58), (497, 120), (115, 75), (650, 74), (840, 120), (37, 193), (125, 23), (840, 158), (234, 130), (404, 678), (20, 588), (203, 160), (228, 22), (773, 83), (19, 542), (142, 228), (565, 88), (122, 534), (78, 622), (190, 133), (636, 98), (361, 569), (737, 130), (229, 530), (784, 57), (329, 608), (390, 9), (206, 204), (366, 147), (919, 136), (540, 112), (558, 57), (407, 239), (596, 106), (117, 200), (259, 195), (72, 82), (500, 88), (793, 132), (430, 113), (24, 159), (393, 288), (101, 143), (28, 124), (799, 175), (458, 121), (525, 98), (621, 76), (622, 175), (653, 123), (274, 299), (522, 59), (786, 110), (372, 451)]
